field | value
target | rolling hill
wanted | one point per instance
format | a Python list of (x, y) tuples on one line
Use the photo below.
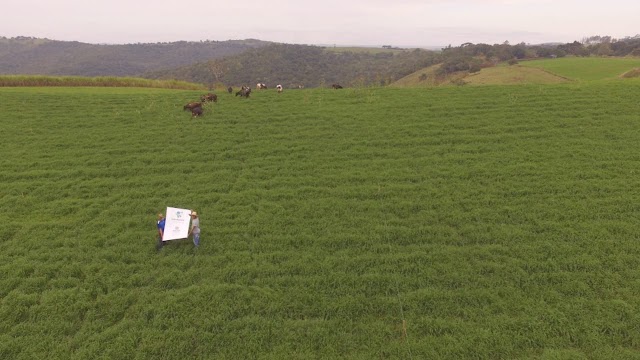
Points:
[(303, 65), (509, 75), (543, 71), (586, 68), (25, 55)]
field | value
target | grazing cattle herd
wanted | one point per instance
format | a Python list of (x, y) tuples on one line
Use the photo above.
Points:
[(197, 108)]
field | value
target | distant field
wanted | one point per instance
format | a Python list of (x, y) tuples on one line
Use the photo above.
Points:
[(586, 68), (509, 75), (493, 222), (547, 71)]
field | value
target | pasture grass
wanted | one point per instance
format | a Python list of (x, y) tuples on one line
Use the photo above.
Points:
[(465, 222), (586, 68)]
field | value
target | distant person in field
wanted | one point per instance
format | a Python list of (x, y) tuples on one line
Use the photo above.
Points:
[(195, 228), (160, 224)]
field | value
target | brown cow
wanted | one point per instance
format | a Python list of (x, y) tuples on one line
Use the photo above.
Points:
[(209, 97), (192, 105)]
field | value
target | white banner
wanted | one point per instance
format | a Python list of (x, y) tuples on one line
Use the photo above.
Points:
[(176, 225)]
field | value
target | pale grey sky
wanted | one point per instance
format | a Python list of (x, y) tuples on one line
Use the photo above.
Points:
[(340, 22)]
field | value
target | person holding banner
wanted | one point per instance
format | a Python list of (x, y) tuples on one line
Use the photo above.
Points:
[(195, 228), (160, 224)]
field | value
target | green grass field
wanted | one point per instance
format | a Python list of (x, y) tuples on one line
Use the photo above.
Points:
[(586, 68), (379, 223)]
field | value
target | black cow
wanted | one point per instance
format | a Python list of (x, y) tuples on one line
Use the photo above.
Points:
[(196, 111)]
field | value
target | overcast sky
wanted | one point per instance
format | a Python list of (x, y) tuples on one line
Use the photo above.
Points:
[(326, 22)]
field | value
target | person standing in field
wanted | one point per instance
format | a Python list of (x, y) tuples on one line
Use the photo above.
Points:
[(160, 225), (195, 228)]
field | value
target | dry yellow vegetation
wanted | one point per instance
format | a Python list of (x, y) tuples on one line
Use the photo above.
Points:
[(508, 75), (632, 73), (499, 75), (428, 77)]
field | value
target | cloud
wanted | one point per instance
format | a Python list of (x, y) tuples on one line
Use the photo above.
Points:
[(330, 21)]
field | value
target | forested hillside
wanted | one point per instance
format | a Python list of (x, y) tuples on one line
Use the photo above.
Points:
[(25, 55), (302, 65)]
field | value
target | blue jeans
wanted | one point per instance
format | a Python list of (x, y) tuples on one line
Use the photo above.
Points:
[(196, 240)]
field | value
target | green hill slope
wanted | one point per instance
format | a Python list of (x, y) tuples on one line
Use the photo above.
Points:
[(462, 222), (499, 75), (546, 71), (586, 68), (426, 77)]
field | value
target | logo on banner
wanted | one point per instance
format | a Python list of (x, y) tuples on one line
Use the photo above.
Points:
[(177, 224)]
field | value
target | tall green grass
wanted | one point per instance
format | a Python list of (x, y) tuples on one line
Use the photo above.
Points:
[(101, 81), (455, 223)]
